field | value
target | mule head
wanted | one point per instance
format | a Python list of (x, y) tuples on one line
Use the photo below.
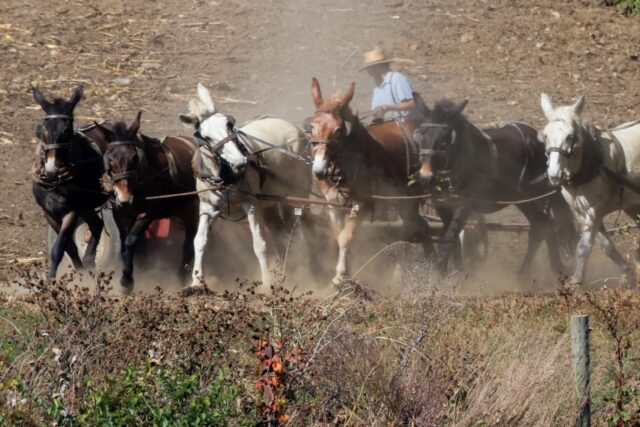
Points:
[(124, 160), (56, 129), (562, 137), (437, 136), (211, 127), (329, 127)]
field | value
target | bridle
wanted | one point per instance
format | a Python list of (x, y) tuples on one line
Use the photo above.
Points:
[(446, 154), (59, 145), (227, 174), (115, 177), (590, 162), (568, 152), (316, 143)]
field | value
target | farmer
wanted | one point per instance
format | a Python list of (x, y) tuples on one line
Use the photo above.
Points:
[(393, 94)]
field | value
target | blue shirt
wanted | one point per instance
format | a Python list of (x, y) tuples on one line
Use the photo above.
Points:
[(395, 88)]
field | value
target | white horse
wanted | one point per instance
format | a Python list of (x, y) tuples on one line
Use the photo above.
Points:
[(264, 156), (599, 172)]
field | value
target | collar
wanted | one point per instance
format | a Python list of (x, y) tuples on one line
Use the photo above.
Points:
[(386, 80)]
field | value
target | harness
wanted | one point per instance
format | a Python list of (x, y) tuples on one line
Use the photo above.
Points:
[(592, 164), (65, 174)]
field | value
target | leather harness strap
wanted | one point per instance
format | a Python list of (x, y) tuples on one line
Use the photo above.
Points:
[(493, 151)]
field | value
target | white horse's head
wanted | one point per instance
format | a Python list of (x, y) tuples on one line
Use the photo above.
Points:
[(213, 127), (562, 137)]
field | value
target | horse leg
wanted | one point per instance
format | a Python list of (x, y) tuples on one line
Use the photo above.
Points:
[(130, 242), (71, 249), (415, 226), (603, 241), (65, 234), (583, 250), (276, 224), (207, 218), (450, 237), (259, 243), (540, 228), (190, 230), (95, 225), (634, 213), (344, 242)]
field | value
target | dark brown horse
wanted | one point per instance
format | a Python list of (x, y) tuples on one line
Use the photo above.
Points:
[(352, 163), (66, 178), (138, 167), (471, 170)]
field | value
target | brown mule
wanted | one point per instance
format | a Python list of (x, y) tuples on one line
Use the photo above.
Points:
[(352, 163), (138, 167)]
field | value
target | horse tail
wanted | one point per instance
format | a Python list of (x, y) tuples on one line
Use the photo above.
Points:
[(564, 225)]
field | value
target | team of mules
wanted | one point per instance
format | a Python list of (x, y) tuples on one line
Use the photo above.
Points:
[(256, 169)]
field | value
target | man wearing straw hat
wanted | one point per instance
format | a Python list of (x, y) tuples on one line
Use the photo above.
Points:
[(393, 95)]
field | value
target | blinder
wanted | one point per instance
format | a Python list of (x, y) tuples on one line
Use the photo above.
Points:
[(115, 177), (568, 152)]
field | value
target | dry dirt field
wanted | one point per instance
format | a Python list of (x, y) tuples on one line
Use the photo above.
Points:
[(258, 58)]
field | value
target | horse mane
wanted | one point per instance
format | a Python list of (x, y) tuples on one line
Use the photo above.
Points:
[(441, 109), (121, 131), (60, 105)]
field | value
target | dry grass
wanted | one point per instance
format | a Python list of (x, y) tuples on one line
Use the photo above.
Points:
[(420, 359)]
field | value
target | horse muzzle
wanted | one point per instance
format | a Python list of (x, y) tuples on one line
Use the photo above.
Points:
[(319, 168), (425, 174)]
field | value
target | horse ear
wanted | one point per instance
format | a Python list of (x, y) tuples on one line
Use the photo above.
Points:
[(421, 106), (315, 92), (540, 136), (189, 119), (579, 105), (457, 110), (547, 106), (40, 98), (346, 99), (76, 96), (205, 97), (135, 126)]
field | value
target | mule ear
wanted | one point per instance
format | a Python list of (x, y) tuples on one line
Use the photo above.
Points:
[(457, 110), (547, 106), (421, 106), (135, 126), (76, 96), (189, 119), (579, 105), (346, 99), (40, 98), (205, 96), (315, 92)]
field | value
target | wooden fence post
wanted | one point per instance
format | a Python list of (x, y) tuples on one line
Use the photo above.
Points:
[(580, 351)]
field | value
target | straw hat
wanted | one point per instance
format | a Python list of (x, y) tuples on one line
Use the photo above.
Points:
[(375, 57)]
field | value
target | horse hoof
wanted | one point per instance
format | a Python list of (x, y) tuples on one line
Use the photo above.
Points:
[(573, 282), (127, 284), (198, 288), (338, 280)]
